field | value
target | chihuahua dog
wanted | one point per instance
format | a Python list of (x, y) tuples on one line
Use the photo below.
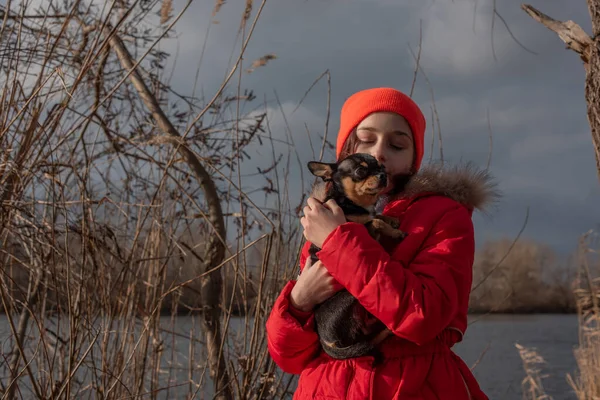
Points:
[(345, 328)]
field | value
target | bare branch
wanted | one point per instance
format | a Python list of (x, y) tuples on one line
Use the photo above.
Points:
[(418, 58), (497, 14), (491, 140), (580, 42), (569, 32)]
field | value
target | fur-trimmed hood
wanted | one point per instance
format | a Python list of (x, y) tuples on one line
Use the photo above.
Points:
[(464, 183)]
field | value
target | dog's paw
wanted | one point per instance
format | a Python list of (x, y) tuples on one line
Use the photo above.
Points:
[(397, 234), (394, 223)]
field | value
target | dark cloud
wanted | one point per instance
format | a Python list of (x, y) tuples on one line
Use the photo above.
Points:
[(542, 153)]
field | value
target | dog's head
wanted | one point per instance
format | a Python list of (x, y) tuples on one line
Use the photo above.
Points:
[(359, 176)]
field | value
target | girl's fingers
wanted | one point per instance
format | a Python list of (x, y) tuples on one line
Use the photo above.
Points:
[(308, 264), (333, 206), (313, 203)]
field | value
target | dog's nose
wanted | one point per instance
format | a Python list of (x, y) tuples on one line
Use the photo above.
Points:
[(382, 178)]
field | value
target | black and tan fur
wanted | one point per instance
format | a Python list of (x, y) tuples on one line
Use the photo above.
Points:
[(355, 184)]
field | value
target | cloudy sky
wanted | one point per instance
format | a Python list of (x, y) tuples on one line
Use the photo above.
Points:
[(542, 155)]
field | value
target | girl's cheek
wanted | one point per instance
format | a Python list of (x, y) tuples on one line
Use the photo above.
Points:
[(362, 148)]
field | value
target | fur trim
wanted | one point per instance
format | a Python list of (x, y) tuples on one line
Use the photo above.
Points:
[(464, 183)]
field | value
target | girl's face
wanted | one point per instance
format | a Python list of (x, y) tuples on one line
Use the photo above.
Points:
[(387, 137)]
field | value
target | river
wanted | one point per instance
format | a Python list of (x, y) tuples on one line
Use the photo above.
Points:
[(490, 339)]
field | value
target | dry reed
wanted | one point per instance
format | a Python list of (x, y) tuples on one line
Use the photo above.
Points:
[(585, 381), (118, 278), (532, 386)]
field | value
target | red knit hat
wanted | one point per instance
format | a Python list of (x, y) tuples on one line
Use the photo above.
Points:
[(361, 104)]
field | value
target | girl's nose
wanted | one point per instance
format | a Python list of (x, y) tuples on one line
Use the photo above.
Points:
[(378, 154)]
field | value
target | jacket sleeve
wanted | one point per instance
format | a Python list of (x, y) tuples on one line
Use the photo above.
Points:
[(415, 301), (291, 337)]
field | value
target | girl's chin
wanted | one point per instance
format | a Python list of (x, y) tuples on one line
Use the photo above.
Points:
[(388, 189), (396, 184)]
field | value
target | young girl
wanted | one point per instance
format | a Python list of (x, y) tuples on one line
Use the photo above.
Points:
[(419, 288)]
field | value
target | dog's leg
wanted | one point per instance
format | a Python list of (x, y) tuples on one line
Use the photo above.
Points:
[(359, 219), (373, 230), (381, 336), (391, 221), (387, 230)]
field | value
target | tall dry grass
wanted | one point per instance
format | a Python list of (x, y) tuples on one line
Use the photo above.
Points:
[(123, 213), (532, 385), (585, 381)]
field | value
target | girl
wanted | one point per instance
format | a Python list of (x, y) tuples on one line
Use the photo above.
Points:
[(419, 288)]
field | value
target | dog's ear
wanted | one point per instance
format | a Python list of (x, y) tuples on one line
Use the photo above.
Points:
[(322, 170)]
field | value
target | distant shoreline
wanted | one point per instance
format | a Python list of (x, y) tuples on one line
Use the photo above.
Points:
[(529, 312), (477, 312)]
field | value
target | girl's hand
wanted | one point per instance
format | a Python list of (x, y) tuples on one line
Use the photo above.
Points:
[(314, 286), (320, 220)]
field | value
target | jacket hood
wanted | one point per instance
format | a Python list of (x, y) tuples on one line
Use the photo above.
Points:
[(464, 183)]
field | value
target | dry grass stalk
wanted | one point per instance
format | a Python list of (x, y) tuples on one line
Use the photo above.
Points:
[(585, 381), (532, 386), (106, 241), (247, 12), (166, 10), (217, 8), (261, 62)]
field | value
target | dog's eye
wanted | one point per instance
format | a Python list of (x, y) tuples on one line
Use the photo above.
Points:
[(361, 172)]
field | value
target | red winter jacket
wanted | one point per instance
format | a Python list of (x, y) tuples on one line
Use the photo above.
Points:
[(419, 290)]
